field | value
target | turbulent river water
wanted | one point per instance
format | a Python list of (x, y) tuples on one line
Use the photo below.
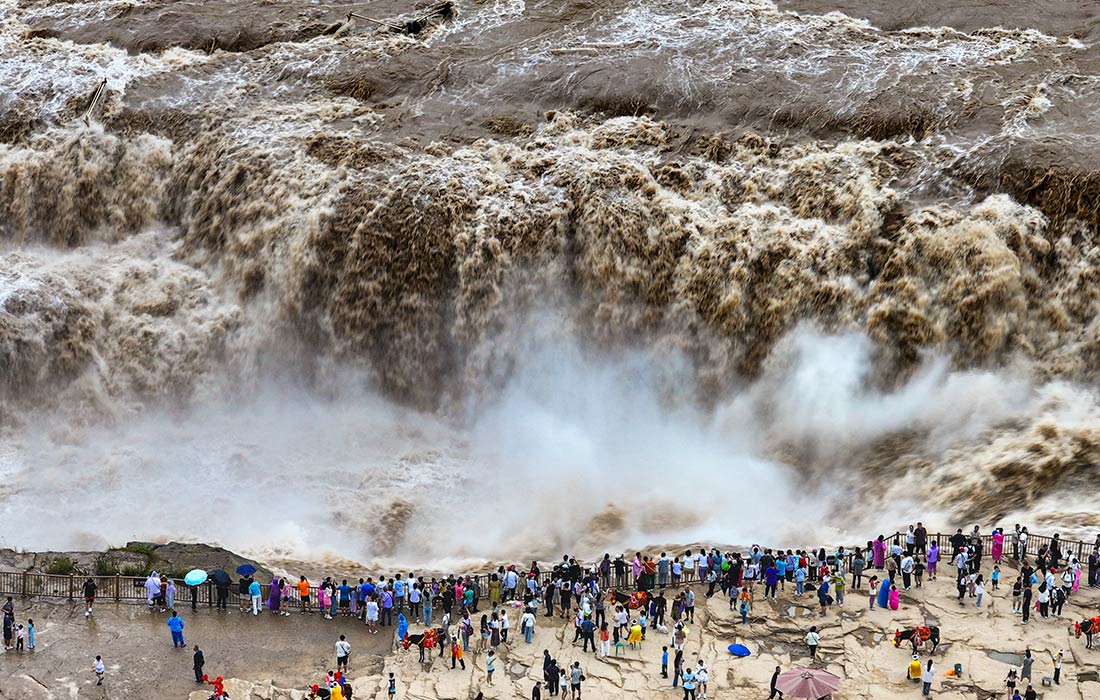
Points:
[(546, 275)]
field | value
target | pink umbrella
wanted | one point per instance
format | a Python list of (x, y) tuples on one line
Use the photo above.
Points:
[(807, 683)]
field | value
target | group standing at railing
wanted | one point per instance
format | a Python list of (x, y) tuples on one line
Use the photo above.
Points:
[(378, 602)]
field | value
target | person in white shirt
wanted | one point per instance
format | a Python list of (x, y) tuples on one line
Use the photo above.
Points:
[(527, 624), (812, 641), (960, 561), (371, 617), (343, 654), (926, 679), (907, 565), (100, 670)]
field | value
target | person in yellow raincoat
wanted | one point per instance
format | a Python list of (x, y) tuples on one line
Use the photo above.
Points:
[(915, 670), (635, 633)]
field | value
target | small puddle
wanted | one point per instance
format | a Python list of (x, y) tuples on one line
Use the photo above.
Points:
[(1006, 658), (772, 647), (798, 611)]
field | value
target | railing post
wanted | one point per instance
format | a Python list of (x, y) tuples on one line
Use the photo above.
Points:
[(71, 581)]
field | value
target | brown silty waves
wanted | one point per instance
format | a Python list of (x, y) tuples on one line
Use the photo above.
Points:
[(273, 190)]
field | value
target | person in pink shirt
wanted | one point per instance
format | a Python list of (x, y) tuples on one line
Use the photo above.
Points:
[(879, 549), (998, 548)]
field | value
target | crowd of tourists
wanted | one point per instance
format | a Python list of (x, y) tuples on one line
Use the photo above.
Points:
[(623, 600)]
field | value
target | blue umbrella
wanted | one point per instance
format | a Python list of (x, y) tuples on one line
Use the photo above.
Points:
[(246, 569), (739, 650), (194, 577)]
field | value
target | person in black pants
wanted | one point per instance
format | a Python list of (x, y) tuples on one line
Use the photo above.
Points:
[(775, 691), (199, 662), (553, 677), (566, 594), (551, 591), (222, 590), (1027, 602)]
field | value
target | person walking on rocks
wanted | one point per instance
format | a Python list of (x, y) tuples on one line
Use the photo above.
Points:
[(813, 639), (775, 691), (1025, 667)]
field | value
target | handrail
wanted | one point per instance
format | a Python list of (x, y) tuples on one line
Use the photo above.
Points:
[(132, 588)]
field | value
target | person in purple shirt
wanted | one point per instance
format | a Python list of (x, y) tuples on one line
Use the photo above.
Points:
[(387, 607), (771, 579)]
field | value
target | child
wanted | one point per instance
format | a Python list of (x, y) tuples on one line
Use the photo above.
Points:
[(20, 636), (664, 662), (100, 669), (490, 666), (393, 686), (643, 621), (456, 651), (918, 572), (996, 576), (30, 634), (743, 607)]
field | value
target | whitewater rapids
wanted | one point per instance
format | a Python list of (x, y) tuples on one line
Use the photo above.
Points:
[(547, 276)]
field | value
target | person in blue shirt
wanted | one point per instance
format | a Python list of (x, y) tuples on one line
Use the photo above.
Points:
[(254, 594), (688, 682), (175, 623), (800, 580), (823, 596), (399, 593), (345, 598), (781, 564)]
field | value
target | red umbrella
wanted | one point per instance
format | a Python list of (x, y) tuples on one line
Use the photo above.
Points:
[(807, 683)]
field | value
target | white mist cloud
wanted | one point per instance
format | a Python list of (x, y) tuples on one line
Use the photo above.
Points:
[(578, 451)]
